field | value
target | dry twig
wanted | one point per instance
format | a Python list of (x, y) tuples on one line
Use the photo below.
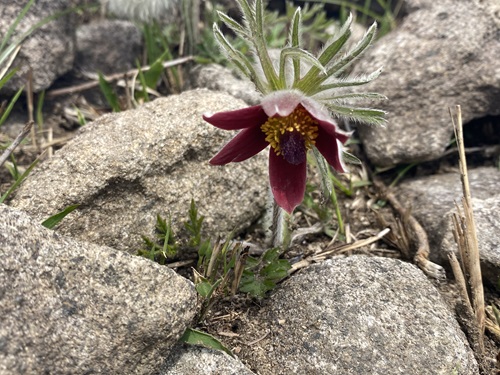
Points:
[(420, 236), (113, 77)]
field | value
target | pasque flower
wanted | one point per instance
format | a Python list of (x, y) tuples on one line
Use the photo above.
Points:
[(291, 124), (301, 92)]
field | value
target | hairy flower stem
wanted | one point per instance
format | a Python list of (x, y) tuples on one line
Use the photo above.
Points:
[(337, 211), (280, 232)]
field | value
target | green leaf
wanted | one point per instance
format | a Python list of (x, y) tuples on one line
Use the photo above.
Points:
[(255, 286), (270, 255), (153, 74), (233, 25), (355, 81), (109, 94), (252, 262), (277, 270), (295, 29), (13, 170), (366, 115), (361, 95), (309, 82), (204, 289), (52, 221), (238, 59), (337, 68), (296, 54), (496, 312), (204, 251), (336, 43), (194, 225), (195, 337), (326, 182), (350, 158)]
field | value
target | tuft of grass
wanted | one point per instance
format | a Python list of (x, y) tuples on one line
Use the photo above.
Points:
[(223, 267), (467, 272), (164, 246)]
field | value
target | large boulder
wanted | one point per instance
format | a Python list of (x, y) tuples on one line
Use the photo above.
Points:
[(107, 46), (430, 64), (71, 307), (358, 315), (126, 168), (432, 201), (50, 50)]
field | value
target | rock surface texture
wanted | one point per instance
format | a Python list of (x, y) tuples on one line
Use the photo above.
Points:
[(70, 307), (115, 53), (430, 64), (200, 361), (126, 168), (218, 78), (360, 315), (50, 50), (432, 202)]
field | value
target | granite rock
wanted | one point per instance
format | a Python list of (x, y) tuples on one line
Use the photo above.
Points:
[(49, 51), (360, 315), (72, 307), (126, 168), (108, 46), (430, 64)]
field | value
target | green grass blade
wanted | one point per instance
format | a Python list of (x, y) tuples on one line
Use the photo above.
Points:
[(20, 179), (52, 221), (13, 27), (142, 80), (9, 75), (10, 106), (195, 337), (6, 66), (109, 94)]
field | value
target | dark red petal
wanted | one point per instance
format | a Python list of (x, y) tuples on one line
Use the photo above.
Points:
[(238, 119), (288, 181), (330, 145), (247, 143)]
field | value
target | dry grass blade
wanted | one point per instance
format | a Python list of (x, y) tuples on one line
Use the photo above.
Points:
[(466, 237), (336, 250), (17, 141)]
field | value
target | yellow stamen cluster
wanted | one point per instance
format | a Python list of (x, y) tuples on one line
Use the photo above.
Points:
[(298, 121)]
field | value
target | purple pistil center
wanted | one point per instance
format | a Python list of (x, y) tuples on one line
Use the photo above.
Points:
[(293, 148)]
